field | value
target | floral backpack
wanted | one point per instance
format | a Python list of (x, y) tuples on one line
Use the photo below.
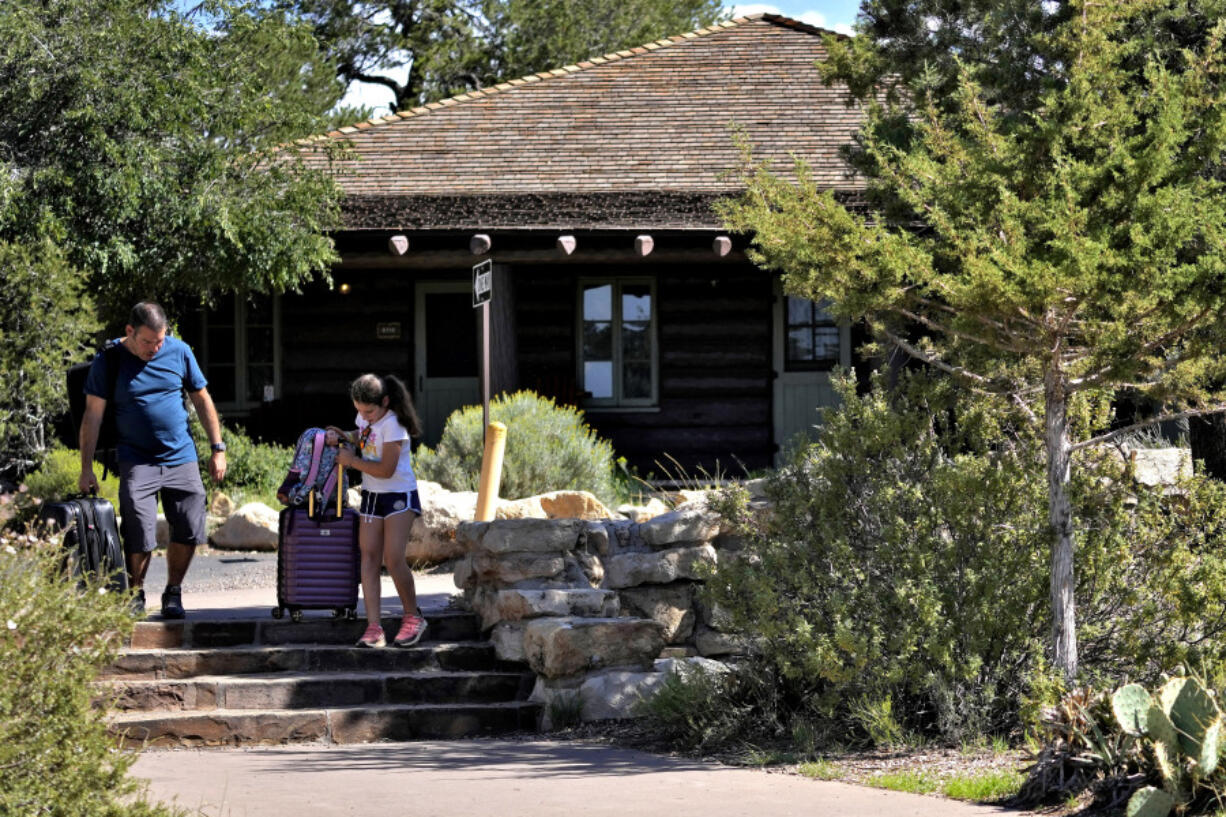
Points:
[(313, 470)]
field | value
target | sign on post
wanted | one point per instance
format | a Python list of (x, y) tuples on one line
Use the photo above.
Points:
[(483, 282), (483, 293)]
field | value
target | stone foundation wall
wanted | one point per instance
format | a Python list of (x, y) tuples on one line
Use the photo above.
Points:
[(600, 609)]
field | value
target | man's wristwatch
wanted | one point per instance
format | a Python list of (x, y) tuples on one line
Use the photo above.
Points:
[(218, 446)]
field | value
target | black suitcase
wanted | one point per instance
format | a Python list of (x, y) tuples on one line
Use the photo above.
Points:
[(91, 537), (318, 559)]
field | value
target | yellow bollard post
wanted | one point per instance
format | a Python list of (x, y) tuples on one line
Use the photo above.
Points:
[(491, 471)]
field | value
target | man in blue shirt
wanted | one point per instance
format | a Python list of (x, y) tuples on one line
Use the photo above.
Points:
[(156, 454)]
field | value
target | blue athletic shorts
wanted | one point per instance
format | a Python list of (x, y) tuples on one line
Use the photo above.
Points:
[(389, 504)]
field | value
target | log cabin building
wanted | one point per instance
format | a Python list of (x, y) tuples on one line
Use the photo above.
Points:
[(615, 287)]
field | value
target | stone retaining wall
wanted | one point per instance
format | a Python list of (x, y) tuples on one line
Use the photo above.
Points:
[(600, 610)]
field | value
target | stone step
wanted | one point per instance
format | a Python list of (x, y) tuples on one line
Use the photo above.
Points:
[(444, 625), (153, 664), (301, 690), (355, 724)]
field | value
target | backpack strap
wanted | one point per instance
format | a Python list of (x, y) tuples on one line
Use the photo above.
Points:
[(110, 362), (317, 451)]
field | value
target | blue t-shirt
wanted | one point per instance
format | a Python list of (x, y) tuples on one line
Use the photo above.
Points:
[(150, 417)]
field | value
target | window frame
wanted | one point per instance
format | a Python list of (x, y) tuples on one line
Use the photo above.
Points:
[(238, 318), (618, 282), (817, 310)]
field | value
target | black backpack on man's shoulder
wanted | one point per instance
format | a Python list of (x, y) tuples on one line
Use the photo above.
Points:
[(106, 452)]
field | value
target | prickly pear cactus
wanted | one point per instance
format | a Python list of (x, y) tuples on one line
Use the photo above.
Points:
[(1150, 802), (1185, 727), (1197, 718), (1130, 705)]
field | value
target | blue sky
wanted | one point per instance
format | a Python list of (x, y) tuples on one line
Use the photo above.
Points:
[(837, 15)]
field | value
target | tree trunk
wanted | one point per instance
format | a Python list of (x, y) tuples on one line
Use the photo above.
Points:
[(1060, 516)]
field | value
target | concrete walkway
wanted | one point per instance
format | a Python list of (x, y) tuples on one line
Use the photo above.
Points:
[(502, 778)]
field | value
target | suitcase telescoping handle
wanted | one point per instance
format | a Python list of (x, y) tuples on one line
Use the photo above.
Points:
[(340, 482)]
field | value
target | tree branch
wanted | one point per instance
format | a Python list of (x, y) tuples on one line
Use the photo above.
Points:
[(1161, 418)]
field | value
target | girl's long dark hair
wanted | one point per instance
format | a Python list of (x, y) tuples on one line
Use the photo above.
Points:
[(371, 389)]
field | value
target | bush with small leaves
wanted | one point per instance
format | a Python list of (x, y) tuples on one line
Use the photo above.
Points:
[(55, 636), (548, 448), (906, 562)]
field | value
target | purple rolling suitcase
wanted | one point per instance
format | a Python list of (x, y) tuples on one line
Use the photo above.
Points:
[(318, 561)]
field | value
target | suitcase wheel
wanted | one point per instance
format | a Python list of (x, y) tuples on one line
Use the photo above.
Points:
[(277, 612), (296, 615), (352, 614), (337, 612)]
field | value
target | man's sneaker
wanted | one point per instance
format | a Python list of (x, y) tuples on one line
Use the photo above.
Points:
[(172, 602), (373, 637), (411, 630), (138, 604)]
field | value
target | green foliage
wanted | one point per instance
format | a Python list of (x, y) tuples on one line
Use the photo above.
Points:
[(904, 562), (447, 47), (253, 469), (1072, 241), (909, 781), (986, 787), (54, 637), (59, 474), (698, 708), (548, 448), (139, 139), (45, 320)]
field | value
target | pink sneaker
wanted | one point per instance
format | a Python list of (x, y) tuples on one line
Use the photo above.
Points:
[(411, 630), (373, 637)]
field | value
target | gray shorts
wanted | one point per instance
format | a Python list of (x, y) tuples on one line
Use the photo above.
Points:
[(182, 495)]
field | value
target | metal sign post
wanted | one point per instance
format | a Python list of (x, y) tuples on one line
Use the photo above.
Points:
[(483, 293)]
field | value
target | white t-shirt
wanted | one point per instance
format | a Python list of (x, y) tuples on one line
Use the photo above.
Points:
[(387, 429)]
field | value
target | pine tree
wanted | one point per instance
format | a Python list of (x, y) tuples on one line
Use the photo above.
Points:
[(1052, 238)]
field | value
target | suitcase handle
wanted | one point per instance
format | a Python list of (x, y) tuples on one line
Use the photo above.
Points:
[(340, 482)]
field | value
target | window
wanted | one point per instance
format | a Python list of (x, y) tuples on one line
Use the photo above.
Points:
[(238, 347), (617, 344), (811, 339)]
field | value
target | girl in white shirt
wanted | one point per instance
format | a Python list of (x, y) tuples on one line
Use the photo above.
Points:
[(386, 422)]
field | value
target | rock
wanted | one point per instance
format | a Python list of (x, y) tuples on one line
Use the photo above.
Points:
[(433, 539), (251, 527), (1161, 466), (670, 605), (507, 569), (508, 640), (526, 508), (494, 606), (641, 513), (663, 567), (522, 535), (617, 694), (591, 568), (558, 647), (679, 526), (597, 538), (712, 642), (573, 505), (221, 505)]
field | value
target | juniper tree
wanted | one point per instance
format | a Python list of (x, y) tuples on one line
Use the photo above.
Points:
[(1062, 240)]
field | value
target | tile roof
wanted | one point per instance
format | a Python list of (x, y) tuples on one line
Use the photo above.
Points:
[(651, 125)]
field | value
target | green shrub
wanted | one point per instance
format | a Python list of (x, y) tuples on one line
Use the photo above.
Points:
[(253, 469), (56, 756), (907, 560), (548, 448), (58, 477)]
